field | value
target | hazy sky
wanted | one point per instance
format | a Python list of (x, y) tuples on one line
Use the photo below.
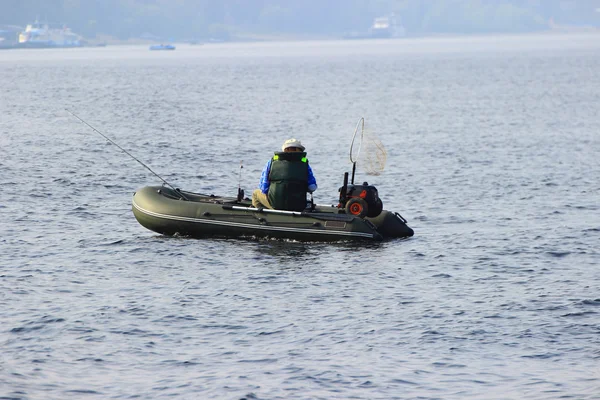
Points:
[(231, 19)]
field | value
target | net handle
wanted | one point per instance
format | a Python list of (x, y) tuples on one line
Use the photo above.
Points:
[(362, 132)]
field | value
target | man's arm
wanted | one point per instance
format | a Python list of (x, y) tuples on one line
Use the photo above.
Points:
[(312, 182), (264, 178)]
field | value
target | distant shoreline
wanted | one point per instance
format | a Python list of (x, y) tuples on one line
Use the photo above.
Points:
[(104, 41), (297, 38)]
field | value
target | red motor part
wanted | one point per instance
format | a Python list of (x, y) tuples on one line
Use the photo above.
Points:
[(370, 205)]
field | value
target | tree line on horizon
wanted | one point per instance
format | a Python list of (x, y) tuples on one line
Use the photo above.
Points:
[(187, 19)]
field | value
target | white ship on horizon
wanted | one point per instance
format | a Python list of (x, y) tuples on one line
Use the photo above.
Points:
[(42, 35), (382, 28)]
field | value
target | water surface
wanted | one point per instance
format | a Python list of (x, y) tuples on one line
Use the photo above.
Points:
[(493, 151)]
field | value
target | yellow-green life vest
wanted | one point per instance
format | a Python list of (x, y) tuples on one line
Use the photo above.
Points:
[(288, 179)]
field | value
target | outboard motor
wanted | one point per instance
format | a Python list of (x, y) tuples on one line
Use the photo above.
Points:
[(360, 200)]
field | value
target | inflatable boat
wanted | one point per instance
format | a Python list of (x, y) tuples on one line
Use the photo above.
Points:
[(171, 211), (359, 214)]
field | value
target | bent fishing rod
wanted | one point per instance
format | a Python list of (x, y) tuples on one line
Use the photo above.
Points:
[(129, 154)]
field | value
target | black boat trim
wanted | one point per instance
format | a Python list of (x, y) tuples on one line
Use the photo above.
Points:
[(252, 226)]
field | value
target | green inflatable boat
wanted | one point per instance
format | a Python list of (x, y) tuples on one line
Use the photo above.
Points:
[(359, 215), (170, 211)]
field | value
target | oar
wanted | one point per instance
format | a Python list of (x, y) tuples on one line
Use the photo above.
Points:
[(321, 216)]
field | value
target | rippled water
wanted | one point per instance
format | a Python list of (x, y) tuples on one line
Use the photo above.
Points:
[(493, 157)]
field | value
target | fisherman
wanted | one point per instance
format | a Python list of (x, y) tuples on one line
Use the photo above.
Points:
[(285, 179)]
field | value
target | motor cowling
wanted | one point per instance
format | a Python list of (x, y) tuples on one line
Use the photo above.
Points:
[(361, 200)]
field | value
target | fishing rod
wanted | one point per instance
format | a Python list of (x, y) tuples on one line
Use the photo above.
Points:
[(129, 154), (240, 194)]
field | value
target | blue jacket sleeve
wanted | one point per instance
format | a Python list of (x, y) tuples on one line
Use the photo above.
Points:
[(312, 182), (264, 178)]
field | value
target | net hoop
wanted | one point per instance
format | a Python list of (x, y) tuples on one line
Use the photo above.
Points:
[(361, 123)]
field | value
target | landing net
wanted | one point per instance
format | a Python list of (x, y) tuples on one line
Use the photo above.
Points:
[(367, 150)]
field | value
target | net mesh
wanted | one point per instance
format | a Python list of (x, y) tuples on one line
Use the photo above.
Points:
[(373, 156)]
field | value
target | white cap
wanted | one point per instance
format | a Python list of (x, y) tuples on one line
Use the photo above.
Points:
[(292, 143)]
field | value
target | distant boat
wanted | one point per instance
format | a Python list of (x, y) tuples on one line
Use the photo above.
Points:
[(39, 36), (162, 47), (382, 28)]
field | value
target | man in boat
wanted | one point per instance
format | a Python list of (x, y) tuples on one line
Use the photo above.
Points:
[(285, 179)]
